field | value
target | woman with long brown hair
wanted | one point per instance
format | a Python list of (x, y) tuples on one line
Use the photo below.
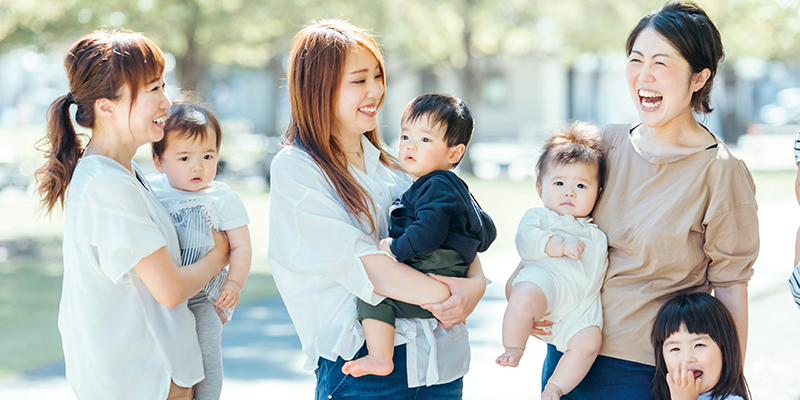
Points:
[(125, 327), (331, 189)]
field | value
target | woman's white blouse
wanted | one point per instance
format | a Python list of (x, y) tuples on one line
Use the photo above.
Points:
[(315, 247), (119, 342)]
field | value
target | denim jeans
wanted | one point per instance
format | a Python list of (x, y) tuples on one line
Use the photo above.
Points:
[(609, 378), (332, 384)]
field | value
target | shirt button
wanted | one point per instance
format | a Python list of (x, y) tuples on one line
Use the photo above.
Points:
[(330, 396), (380, 193)]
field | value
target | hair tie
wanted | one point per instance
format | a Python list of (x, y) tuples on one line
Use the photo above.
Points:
[(70, 99)]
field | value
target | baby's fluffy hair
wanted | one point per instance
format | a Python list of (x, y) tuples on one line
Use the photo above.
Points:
[(191, 119), (577, 142)]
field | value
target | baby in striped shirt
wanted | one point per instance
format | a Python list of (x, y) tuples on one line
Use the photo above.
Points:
[(794, 280), (186, 157)]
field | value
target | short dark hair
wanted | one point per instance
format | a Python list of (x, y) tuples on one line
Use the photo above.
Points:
[(191, 119), (689, 30), (577, 142), (702, 314), (443, 109)]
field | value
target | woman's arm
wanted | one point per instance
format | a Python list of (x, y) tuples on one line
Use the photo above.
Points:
[(171, 285), (401, 282), (466, 293), (735, 299)]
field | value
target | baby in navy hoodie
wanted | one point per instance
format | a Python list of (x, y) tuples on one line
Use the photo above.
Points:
[(436, 226)]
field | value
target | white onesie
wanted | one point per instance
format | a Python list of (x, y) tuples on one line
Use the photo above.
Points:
[(572, 288)]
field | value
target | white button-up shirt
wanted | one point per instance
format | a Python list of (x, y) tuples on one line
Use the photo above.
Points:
[(119, 342), (315, 246)]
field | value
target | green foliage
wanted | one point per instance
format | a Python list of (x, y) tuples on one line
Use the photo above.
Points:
[(426, 35)]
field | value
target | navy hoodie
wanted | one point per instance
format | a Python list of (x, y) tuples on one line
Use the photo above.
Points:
[(438, 211)]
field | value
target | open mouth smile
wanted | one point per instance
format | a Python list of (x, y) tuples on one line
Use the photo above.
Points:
[(649, 99), (160, 120), (369, 110)]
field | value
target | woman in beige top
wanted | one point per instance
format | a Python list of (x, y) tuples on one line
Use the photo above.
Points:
[(678, 207)]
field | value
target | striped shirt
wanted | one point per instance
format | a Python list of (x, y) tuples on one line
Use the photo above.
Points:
[(794, 283), (195, 214), (797, 149)]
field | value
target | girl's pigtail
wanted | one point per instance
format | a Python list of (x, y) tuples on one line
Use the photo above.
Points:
[(62, 147)]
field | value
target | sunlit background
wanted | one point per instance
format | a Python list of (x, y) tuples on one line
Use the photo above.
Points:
[(522, 66)]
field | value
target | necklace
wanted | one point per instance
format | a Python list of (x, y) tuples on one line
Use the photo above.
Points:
[(359, 154)]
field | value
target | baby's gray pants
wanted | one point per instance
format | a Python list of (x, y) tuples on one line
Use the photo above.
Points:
[(209, 334)]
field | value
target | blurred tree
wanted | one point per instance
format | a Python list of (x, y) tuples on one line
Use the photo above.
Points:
[(468, 36)]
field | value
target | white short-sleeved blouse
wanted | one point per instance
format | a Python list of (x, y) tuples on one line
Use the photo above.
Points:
[(315, 247), (119, 342)]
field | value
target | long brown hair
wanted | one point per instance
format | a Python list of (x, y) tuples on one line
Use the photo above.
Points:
[(316, 65), (98, 66)]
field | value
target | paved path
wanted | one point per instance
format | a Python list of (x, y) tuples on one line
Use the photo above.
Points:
[(262, 357)]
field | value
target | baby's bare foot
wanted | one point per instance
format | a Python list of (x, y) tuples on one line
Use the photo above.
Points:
[(368, 365), (551, 392), (510, 358)]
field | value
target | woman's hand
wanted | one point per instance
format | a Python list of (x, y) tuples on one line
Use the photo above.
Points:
[(221, 250), (465, 295), (538, 328)]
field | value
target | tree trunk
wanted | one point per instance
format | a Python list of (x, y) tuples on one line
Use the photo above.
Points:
[(191, 68), (276, 74), (467, 76)]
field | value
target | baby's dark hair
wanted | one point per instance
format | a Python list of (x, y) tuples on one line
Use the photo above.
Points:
[(191, 119), (577, 142), (443, 109), (701, 313)]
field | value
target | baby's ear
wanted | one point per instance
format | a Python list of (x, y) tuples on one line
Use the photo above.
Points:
[(157, 162), (456, 153)]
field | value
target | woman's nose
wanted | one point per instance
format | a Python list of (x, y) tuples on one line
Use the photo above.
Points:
[(646, 73), (375, 89)]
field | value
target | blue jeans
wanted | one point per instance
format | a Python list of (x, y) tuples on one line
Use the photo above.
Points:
[(609, 378), (332, 384)]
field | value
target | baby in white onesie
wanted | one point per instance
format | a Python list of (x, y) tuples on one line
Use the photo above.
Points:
[(564, 260)]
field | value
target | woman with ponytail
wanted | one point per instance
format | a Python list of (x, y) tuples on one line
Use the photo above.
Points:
[(331, 189), (126, 330)]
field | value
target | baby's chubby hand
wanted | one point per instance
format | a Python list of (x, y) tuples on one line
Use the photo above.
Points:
[(229, 295), (573, 247), (386, 245)]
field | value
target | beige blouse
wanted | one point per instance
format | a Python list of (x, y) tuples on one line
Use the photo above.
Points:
[(680, 223)]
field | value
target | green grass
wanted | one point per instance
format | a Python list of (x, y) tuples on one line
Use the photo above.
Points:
[(30, 289)]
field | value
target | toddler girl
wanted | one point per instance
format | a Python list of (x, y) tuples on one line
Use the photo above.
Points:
[(187, 159), (564, 260), (698, 356)]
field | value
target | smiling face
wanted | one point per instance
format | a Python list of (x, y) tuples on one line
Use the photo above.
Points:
[(569, 189), (700, 354), (422, 148), (145, 120), (660, 80), (360, 92), (189, 162)]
